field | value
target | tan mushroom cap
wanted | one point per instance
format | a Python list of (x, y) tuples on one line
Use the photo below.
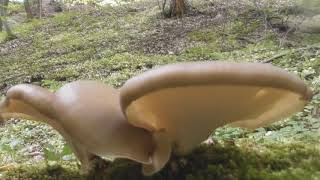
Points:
[(87, 114), (189, 100)]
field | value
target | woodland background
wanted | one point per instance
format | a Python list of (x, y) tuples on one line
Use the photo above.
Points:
[(50, 43)]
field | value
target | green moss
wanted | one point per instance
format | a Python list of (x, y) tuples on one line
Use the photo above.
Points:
[(206, 162), (64, 18), (52, 84), (205, 52), (24, 30), (62, 170), (203, 35), (2, 36), (226, 41), (62, 74), (308, 39)]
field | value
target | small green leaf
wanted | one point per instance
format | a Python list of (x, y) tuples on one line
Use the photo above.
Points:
[(66, 150), (51, 155)]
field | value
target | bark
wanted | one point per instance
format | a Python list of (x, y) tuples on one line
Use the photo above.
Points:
[(178, 7), (28, 9), (10, 34), (3, 14), (40, 8), (0, 24)]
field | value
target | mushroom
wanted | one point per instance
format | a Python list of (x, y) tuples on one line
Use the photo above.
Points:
[(87, 114), (167, 110), (183, 103)]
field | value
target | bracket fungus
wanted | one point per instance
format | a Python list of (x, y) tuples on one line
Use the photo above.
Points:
[(167, 110), (87, 114)]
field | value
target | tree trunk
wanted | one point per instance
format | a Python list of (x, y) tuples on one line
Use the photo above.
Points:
[(3, 14), (40, 8), (27, 8), (0, 24), (177, 7), (10, 34)]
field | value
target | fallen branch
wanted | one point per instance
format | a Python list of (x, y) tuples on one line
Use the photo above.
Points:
[(276, 57), (289, 52), (7, 167)]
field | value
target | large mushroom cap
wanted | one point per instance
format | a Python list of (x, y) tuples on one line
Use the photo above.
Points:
[(189, 100)]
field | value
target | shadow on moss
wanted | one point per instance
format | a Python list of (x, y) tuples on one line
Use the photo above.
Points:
[(206, 162)]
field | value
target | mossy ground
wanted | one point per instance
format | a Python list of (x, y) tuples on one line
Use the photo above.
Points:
[(112, 44)]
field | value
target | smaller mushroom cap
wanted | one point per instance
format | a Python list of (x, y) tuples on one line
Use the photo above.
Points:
[(189, 100)]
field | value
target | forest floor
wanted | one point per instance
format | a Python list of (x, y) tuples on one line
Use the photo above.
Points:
[(113, 43)]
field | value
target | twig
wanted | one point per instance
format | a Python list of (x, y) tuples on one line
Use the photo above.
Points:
[(276, 57), (288, 52), (7, 167)]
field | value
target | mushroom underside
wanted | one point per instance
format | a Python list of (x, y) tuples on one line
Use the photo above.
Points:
[(189, 114)]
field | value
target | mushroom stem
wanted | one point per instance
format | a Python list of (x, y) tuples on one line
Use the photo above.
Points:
[(161, 153), (140, 142)]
